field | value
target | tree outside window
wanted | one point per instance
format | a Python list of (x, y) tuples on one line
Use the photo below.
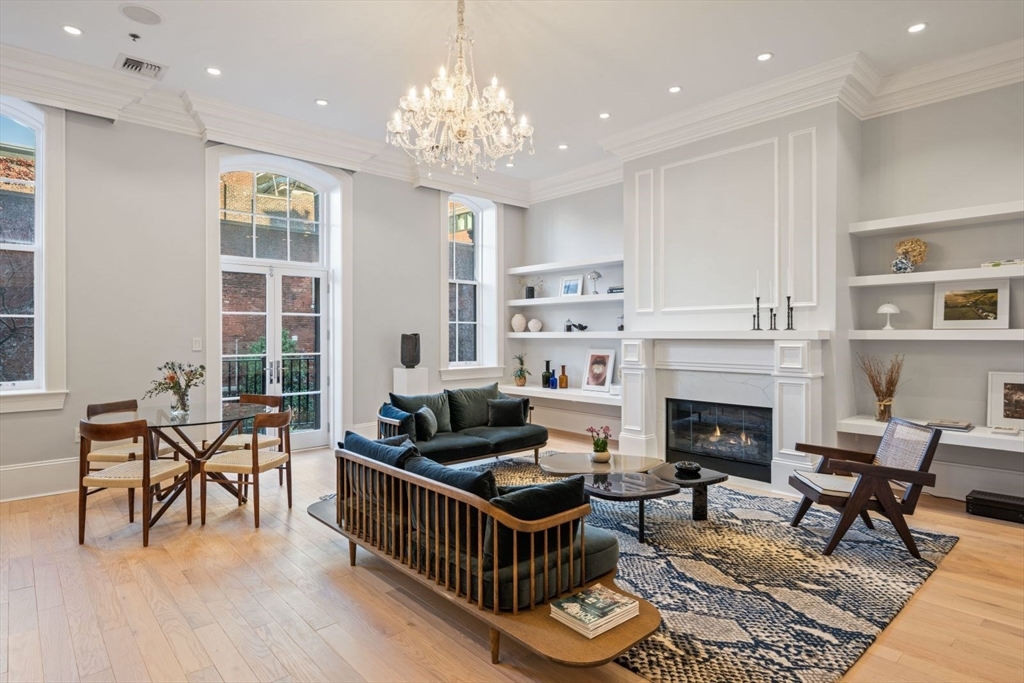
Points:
[(463, 284)]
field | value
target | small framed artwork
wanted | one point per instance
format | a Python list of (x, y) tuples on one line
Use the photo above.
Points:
[(1006, 399), (571, 285), (972, 305), (597, 375)]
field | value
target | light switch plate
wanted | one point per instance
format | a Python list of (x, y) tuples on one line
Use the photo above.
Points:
[(197, 343)]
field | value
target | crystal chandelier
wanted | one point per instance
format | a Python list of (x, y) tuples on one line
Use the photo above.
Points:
[(451, 123)]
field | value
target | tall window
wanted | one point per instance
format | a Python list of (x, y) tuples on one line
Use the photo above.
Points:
[(463, 284), (269, 216), (20, 257)]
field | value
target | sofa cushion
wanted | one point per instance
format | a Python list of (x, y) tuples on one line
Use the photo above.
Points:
[(528, 504), (481, 484), (505, 412), (526, 404), (454, 446), (438, 404), (407, 421), (507, 439), (426, 423), (469, 406), (396, 456)]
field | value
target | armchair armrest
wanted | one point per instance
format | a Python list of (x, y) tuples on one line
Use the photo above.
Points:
[(387, 426), (829, 453), (909, 476)]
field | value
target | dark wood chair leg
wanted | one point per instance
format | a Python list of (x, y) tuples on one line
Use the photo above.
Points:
[(288, 475), (202, 496), (895, 515), (131, 506), (352, 553), (188, 497), (82, 495), (147, 511), (256, 498), (860, 495), (240, 488), (805, 505), (867, 519), (536, 456), (280, 478)]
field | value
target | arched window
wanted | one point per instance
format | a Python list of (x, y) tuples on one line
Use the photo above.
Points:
[(266, 215)]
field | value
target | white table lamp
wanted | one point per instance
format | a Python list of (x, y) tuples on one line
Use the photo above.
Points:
[(888, 309)]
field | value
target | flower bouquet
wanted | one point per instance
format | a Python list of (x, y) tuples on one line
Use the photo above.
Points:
[(178, 379)]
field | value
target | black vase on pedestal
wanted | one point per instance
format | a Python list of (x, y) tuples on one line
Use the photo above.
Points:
[(410, 350)]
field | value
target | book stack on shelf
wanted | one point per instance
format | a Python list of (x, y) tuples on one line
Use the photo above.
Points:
[(951, 425), (595, 610)]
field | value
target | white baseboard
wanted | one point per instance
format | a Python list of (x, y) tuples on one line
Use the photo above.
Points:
[(367, 429), (955, 480), (35, 479), (630, 444)]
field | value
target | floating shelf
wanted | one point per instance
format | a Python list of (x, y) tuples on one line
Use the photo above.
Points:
[(938, 335), (575, 395), (732, 335), (578, 264), (934, 276), (979, 437), (567, 300), (567, 335), (937, 220)]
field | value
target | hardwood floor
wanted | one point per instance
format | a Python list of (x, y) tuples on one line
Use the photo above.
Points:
[(226, 602)]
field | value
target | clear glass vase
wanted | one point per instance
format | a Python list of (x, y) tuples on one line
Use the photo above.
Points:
[(179, 404), (883, 409)]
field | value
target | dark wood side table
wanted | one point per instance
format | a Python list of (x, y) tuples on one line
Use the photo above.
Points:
[(667, 472), (629, 486)]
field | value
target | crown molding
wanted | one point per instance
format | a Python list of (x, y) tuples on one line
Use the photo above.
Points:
[(985, 69), (488, 185), (592, 176), (391, 162), (254, 129), (42, 79), (162, 110)]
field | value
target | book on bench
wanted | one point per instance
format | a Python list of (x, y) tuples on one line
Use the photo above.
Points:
[(952, 425), (595, 610)]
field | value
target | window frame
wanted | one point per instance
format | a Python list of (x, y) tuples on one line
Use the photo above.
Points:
[(48, 388), (477, 282)]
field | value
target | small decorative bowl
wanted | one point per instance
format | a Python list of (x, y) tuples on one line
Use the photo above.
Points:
[(687, 470)]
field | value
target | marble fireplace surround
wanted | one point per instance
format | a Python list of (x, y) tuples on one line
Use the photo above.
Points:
[(782, 374)]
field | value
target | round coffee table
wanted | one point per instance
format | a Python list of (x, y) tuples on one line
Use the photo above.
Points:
[(629, 486), (667, 472), (564, 464)]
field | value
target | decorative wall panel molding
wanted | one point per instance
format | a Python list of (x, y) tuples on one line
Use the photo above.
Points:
[(643, 277), (802, 210)]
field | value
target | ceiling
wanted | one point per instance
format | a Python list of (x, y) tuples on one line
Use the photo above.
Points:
[(563, 62)]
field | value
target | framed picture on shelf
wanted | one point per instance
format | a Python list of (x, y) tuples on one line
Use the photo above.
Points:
[(571, 285), (1006, 399), (972, 305), (597, 375)]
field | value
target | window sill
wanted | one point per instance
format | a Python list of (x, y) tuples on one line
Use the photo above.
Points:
[(473, 372), (31, 401)]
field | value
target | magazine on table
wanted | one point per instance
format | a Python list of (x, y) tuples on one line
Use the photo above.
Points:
[(594, 610)]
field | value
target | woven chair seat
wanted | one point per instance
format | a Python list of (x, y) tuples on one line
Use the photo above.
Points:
[(240, 462), (835, 484), (128, 475), (123, 452), (244, 442)]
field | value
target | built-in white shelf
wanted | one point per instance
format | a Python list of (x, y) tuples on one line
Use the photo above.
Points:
[(938, 335), (936, 220), (929, 277), (566, 335), (574, 395), (732, 335), (979, 437), (577, 264), (567, 300)]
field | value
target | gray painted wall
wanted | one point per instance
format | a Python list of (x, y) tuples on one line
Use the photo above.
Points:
[(580, 226)]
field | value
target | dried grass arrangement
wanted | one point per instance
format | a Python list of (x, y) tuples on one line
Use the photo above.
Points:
[(914, 249), (884, 380)]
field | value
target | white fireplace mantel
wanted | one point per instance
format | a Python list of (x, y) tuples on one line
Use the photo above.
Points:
[(783, 374)]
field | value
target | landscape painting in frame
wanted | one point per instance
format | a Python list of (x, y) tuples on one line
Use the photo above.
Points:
[(1006, 399), (972, 305)]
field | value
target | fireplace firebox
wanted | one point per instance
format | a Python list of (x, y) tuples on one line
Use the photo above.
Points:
[(729, 438)]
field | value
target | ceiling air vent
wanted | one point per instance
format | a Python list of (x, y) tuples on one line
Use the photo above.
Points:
[(140, 67)]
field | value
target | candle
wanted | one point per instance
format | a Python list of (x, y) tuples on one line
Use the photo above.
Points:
[(757, 284), (789, 281)]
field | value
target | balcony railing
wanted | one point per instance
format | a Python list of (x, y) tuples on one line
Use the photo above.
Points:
[(300, 380)]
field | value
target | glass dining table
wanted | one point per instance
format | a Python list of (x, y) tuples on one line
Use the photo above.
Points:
[(170, 428)]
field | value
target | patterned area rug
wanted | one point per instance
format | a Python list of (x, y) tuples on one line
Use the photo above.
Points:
[(744, 596)]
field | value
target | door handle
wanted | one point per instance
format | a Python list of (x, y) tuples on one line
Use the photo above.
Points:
[(278, 372)]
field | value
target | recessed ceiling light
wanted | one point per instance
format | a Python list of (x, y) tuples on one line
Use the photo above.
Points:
[(213, 71), (764, 56), (509, 164), (604, 115), (674, 89), (917, 28), (73, 30), (322, 103), (563, 147)]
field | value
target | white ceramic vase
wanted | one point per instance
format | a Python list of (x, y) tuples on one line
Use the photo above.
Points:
[(536, 325), (518, 322), (602, 456)]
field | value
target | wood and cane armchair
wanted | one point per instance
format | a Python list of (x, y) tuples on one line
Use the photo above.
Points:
[(854, 483), (241, 441)]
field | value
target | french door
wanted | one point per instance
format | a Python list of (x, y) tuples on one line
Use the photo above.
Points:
[(272, 333)]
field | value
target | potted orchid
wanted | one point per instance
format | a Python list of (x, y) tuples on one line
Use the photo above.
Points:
[(599, 437), (177, 380)]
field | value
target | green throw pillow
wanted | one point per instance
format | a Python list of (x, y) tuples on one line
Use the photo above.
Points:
[(507, 412), (469, 406), (438, 404), (426, 423), (528, 504)]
